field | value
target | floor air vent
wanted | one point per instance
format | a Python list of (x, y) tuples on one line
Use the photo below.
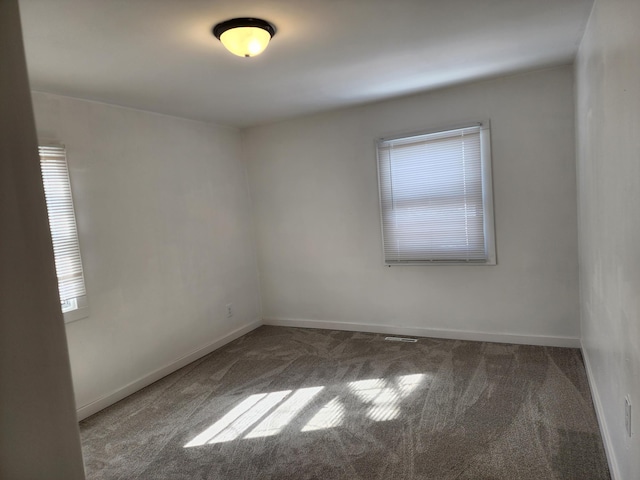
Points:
[(401, 339)]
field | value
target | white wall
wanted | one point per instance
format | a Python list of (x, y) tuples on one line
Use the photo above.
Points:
[(166, 236), (315, 197), (38, 430), (608, 140)]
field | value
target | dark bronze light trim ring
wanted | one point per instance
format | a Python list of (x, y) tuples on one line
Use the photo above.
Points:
[(222, 27)]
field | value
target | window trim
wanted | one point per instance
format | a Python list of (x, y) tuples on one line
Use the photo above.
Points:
[(81, 309), (487, 193), (79, 313)]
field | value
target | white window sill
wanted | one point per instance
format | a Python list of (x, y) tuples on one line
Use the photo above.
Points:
[(80, 311), (75, 315)]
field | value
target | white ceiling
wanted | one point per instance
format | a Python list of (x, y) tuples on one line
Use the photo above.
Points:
[(159, 55)]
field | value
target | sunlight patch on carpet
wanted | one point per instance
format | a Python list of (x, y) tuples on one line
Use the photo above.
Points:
[(284, 413), (384, 396), (234, 423), (267, 414), (329, 416)]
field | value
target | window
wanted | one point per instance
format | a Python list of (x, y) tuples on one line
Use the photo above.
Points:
[(62, 222), (436, 197)]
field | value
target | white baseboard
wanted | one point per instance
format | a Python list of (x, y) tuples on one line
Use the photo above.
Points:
[(111, 398), (107, 400), (606, 437), (429, 332)]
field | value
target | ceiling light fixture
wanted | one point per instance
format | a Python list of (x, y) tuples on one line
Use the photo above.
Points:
[(244, 37)]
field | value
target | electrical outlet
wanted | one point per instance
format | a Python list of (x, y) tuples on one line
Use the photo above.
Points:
[(627, 414), (229, 310)]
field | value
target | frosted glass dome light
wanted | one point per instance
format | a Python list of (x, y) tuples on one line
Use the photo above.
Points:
[(244, 37)]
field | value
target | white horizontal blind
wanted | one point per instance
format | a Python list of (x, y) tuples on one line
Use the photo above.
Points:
[(62, 222), (431, 197)]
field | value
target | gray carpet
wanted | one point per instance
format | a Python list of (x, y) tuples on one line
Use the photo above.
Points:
[(286, 403)]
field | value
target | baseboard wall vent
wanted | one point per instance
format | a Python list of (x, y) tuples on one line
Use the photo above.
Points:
[(401, 339)]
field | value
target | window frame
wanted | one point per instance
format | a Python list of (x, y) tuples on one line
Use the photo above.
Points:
[(487, 193), (80, 307)]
